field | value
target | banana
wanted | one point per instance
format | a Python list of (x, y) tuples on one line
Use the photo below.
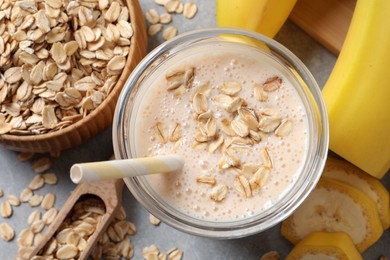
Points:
[(325, 245), (357, 91), (262, 16), (335, 207), (345, 172)]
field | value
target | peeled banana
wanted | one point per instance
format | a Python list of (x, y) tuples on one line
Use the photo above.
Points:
[(357, 91), (334, 206), (325, 245), (345, 172), (262, 16)]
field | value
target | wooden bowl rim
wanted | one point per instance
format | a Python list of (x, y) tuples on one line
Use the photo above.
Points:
[(91, 116)]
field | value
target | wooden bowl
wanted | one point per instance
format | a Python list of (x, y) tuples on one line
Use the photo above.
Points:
[(101, 117)]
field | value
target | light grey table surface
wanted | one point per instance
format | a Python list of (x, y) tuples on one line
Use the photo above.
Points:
[(15, 175)]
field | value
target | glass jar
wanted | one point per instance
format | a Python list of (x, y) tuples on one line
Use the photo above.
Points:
[(125, 118)]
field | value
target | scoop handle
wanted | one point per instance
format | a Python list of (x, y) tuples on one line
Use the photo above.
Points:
[(109, 191)]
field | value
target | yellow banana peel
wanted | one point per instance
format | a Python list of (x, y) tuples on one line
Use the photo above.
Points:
[(357, 93), (262, 16), (333, 245)]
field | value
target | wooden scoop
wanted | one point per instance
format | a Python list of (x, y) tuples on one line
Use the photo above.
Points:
[(109, 191)]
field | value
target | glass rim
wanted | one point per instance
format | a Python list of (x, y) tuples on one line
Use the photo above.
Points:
[(250, 225)]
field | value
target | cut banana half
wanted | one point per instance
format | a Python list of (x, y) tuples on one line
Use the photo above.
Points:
[(325, 246), (348, 173), (334, 206)]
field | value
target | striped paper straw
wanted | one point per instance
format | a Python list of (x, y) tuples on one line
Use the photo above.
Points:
[(117, 169)]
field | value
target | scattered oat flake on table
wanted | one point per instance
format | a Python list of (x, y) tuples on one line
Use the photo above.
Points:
[(35, 200), (132, 229), (7, 233), (121, 228), (36, 183), (49, 216), (116, 237), (179, 8), (169, 32), (13, 200), (121, 213), (25, 156), (154, 29), (48, 201), (50, 178), (33, 217), (172, 5), (25, 238), (155, 221), (41, 165), (161, 2), (25, 195), (165, 18), (126, 248), (150, 252), (190, 10), (175, 254), (152, 16), (5, 209), (37, 226)]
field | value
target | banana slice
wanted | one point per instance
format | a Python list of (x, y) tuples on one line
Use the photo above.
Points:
[(335, 207), (325, 245), (348, 173)]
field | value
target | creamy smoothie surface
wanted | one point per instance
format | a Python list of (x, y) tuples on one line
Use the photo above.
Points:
[(239, 122)]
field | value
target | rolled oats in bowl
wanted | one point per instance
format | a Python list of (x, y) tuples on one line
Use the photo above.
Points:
[(60, 60)]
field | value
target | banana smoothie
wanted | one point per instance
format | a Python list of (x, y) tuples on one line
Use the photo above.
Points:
[(235, 116)]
